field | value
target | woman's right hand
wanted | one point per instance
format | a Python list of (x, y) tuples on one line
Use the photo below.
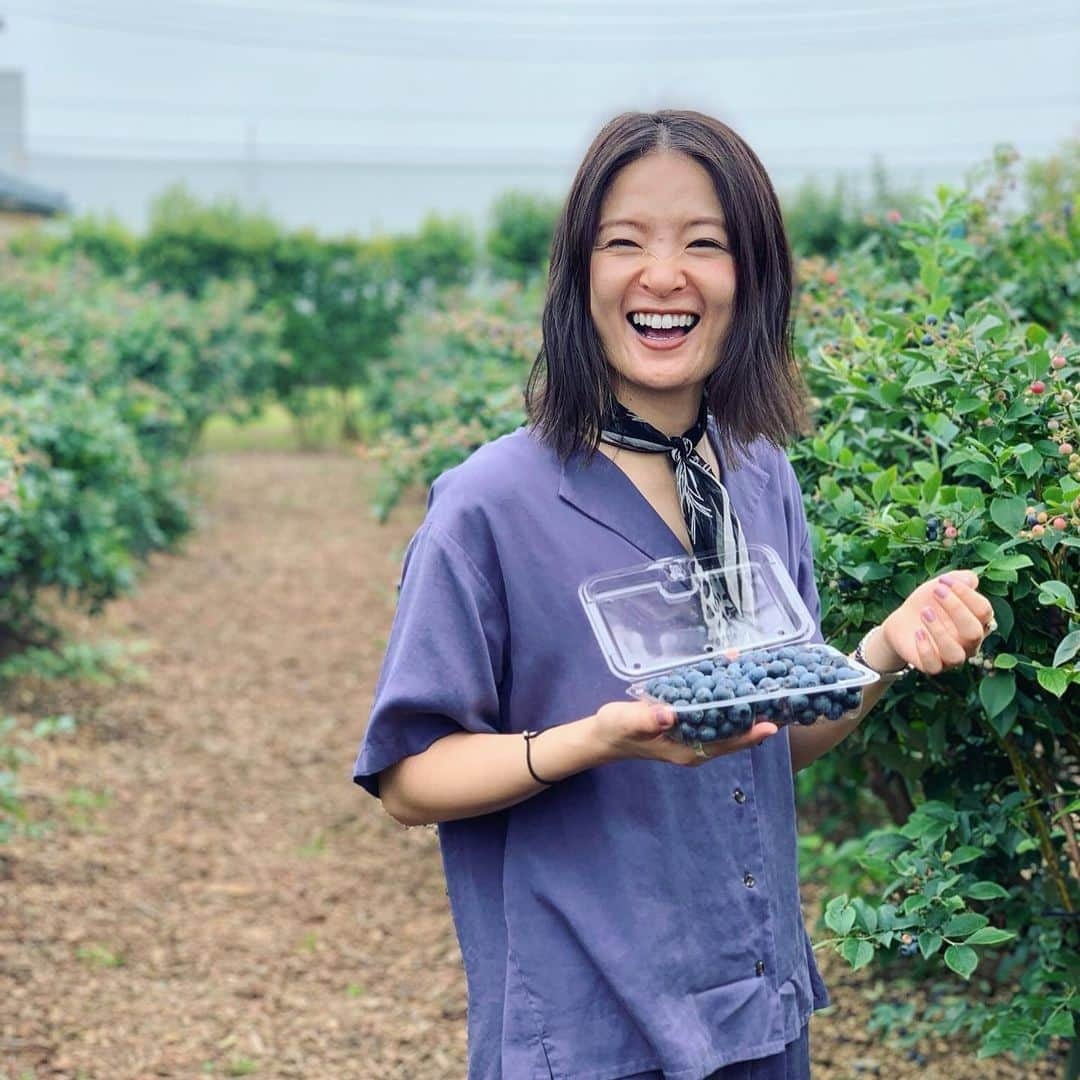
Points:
[(641, 730)]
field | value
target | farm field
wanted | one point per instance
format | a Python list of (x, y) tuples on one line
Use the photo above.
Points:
[(215, 898)]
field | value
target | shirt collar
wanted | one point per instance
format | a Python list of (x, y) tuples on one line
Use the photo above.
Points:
[(598, 488)]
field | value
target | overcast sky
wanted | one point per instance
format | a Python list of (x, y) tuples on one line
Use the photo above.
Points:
[(809, 83)]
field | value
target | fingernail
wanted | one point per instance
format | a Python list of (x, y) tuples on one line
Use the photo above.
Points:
[(665, 715), (920, 634), (928, 614), (940, 592), (945, 579)]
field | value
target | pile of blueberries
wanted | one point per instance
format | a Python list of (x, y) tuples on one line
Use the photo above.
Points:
[(700, 693)]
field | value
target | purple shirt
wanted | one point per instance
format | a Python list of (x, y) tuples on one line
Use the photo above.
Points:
[(636, 916)]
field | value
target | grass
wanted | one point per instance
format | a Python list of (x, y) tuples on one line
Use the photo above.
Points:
[(278, 429)]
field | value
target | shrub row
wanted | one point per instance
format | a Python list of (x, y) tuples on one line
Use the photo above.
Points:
[(103, 391)]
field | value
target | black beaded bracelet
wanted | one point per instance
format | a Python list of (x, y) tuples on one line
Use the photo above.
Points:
[(529, 736)]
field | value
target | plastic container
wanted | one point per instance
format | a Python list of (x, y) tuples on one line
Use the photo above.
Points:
[(655, 627)]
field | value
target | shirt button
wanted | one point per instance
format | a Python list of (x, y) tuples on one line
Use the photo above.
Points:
[(748, 880), (739, 795), (759, 968)]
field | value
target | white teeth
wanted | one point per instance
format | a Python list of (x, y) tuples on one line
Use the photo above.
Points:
[(661, 322)]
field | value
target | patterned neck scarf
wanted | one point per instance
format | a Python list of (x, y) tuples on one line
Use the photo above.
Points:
[(711, 521)]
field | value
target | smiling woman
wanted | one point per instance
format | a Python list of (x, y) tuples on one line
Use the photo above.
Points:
[(623, 913)]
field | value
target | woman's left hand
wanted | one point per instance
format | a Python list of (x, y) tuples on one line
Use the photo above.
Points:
[(942, 623)]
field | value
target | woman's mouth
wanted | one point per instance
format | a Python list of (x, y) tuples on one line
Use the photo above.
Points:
[(662, 329)]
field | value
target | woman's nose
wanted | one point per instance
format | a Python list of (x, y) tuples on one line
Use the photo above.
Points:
[(663, 275)]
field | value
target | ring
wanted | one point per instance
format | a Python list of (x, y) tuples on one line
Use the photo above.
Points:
[(700, 751)]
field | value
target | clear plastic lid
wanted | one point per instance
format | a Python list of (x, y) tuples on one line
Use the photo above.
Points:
[(660, 615)]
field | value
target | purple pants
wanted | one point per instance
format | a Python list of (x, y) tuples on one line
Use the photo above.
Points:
[(792, 1063)]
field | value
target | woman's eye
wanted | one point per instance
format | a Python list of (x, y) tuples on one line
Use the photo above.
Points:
[(715, 244), (620, 242)]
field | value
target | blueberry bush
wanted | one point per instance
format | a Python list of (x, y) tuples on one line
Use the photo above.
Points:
[(945, 372)]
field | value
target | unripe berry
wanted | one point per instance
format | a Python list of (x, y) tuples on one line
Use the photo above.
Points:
[(1038, 530), (1065, 448), (1060, 523), (1042, 517), (893, 216), (1037, 387), (1053, 425), (950, 531), (1057, 362), (1000, 395)]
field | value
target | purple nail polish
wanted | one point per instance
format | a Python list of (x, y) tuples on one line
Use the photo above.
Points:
[(940, 592), (928, 614), (945, 579)]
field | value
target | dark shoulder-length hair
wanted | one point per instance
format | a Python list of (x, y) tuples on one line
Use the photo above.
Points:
[(755, 390)]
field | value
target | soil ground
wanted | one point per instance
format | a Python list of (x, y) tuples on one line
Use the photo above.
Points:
[(212, 896)]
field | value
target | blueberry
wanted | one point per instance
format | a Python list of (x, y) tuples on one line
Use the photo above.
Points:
[(735, 670), (928, 339), (682, 693), (725, 729), (706, 667), (908, 949), (931, 320), (820, 703), (687, 732), (806, 717), (786, 653), (846, 674), (827, 674), (710, 717), (807, 680), (799, 669), (703, 695), (777, 668), (707, 734), (853, 698), (745, 689), (756, 673), (790, 682), (723, 693), (741, 716), (677, 681)]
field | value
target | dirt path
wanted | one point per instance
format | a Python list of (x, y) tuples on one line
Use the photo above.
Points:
[(216, 898)]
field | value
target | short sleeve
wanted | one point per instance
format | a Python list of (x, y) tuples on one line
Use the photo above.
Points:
[(444, 659), (799, 534)]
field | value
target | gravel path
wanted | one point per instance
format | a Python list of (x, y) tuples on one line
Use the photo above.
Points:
[(214, 897)]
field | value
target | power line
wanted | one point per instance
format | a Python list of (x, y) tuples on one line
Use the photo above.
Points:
[(152, 108), (391, 44)]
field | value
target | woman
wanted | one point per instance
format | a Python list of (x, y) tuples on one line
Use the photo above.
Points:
[(620, 916)]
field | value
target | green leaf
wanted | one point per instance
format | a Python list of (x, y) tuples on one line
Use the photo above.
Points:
[(1067, 648), (962, 925), (986, 890), (915, 903), (996, 692), (962, 960), (1056, 680), (1030, 461), (857, 952), (1007, 513), (883, 482), (990, 935), (929, 943), (931, 486), (1004, 661), (1011, 562), (1051, 592), (964, 854)]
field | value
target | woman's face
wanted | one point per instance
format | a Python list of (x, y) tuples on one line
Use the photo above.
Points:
[(661, 250)]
